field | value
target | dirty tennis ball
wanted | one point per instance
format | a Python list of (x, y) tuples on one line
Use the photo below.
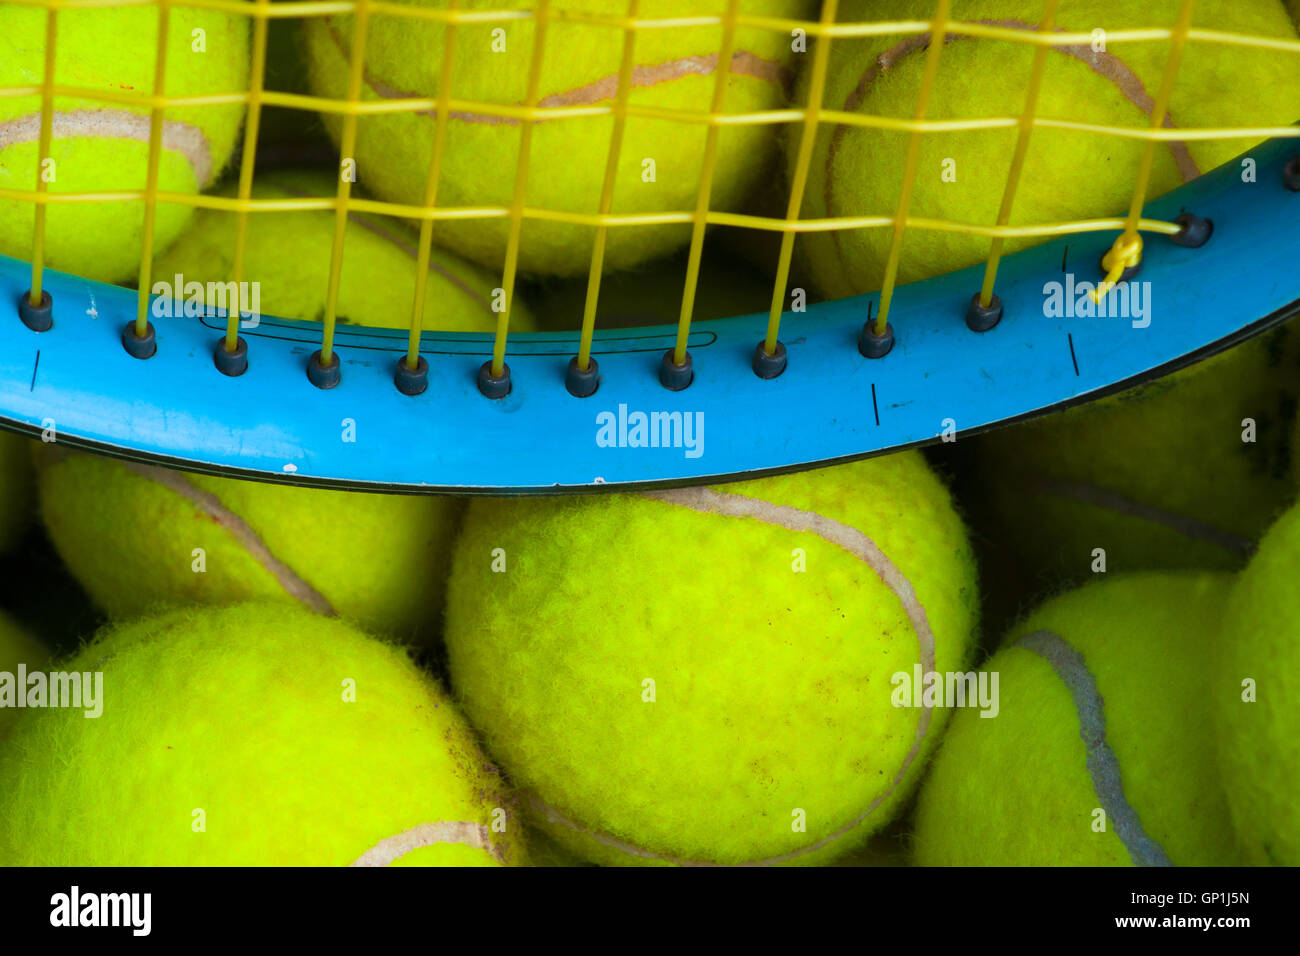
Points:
[(707, 675), (661, 160), (1186, 471), (289, 255), (137, 535), (16, 647), (255, 734), (1101, 752), (1256, 699), (100, 145), (1068, 174)]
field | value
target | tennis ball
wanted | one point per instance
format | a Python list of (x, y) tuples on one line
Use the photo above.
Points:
[(100, 145), (1256, 699), (137, 535), (17, 488), (1068, 174), (706, 675), (289, 255), (661, 160), (1184, 472), (653, 296), (16, 647), (250, 735), (1098, 750)]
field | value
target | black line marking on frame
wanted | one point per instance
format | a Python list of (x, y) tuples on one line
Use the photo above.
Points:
[(1074, 359), (35, 365), (875, 406)]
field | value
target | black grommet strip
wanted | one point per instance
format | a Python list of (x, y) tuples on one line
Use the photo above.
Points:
[(38, 318), (769, 366), (231, 363), (676, 377), (981, 318), (875, 346), (582, 382), (324, 376), (494, 386), (140, 346), (412, 381)]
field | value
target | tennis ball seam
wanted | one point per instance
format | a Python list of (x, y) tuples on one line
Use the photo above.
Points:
[(1102, 764), (743, 64), (184, 139), (240, 530), (1104, 63), (473, 835), (856, 543), (1186, 525)]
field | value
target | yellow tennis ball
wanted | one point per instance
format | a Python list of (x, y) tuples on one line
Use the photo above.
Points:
[(138, 535), (1068, 174), (1099, 749), (1184, 472), (661, 161), (101, 145), (16, 647), (710, 675), (250, 735), (1256, 699), (288, 254)]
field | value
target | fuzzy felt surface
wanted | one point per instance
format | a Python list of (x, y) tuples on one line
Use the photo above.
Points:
[(1259, 741), (129, 536), (228, 738), (101, 145), (290, 255), (1068, 174), (1158, 476), (675, 71), (17, 647), (771, 686), (1021, 788)]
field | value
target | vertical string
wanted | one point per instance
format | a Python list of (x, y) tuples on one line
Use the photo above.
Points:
[(151, 181)]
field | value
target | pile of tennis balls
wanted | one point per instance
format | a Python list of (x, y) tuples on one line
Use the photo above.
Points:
[(756, 673)]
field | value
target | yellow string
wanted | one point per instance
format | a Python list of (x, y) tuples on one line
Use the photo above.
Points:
[(246, 165), (803, 162), (938, 35), (607, 191), (1046, 26), (431, 189), (1127, 250), (42, 154), (151, 180), (541, 21)]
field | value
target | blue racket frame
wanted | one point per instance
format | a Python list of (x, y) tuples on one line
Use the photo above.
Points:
[(830, 404)]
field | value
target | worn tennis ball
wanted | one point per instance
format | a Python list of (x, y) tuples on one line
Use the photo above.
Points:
[(1099, 749), (1256, 699), (288, 254), (661, 160), (1068, 174), (652, 295), (102, 145), (16, 647), (1184, 472), (707, 675), (251, 735), (137, 535)]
